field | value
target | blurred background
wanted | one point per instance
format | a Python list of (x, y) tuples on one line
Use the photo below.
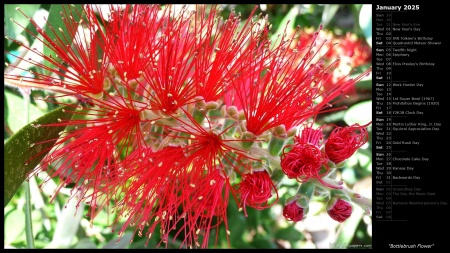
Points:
[(56, 226)]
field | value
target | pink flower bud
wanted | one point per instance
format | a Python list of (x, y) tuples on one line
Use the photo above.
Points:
[(296, 208), (339, 209)]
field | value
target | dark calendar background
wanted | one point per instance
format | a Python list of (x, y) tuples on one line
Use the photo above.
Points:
[(411, 158)]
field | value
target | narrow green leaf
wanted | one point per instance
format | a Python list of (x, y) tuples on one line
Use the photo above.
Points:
[(348, 230), (68, 225), (366, 82), (55, 20), (288, 23), (328, 13), (18, 148), (6, 132), (12, 29)]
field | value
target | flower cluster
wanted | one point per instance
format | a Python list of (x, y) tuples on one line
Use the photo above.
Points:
[(310, 156), (179, 110)]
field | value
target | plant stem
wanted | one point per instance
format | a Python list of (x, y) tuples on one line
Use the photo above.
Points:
[(28, 221), (26, 185), (363, 202)]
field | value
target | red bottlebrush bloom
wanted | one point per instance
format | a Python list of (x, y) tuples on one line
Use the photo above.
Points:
[(344, 141), (290, 82), (169, 72), (303, 162), (87, 153), (131, 38), (224, 50), (180, 184), (309, 135), (292, 211), (170, 105), (153, 197), (355, 48), (255, 190), (339, 209), (208, 207), (306, 160), (83, 68)]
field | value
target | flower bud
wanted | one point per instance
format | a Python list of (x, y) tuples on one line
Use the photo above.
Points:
[(339, 209), (248, 140), (296, 208), (292, 132), (233, 112), (212, 105)]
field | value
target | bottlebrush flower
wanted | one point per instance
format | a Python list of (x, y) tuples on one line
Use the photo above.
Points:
[(355, 49), (303, 162), (305, 159), (255, 190), (344, 141), (175, 113), (339, 209)]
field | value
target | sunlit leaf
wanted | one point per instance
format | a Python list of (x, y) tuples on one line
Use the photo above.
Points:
[(15, 118), (14, 225), (365, 22), (360, 113), (12, 29)]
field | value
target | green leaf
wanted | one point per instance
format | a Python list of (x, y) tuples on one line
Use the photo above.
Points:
[(289, 234), (360, 113), (287, 23), (5, 118), (85, 243), (328, 13), (68, 224), (263, 243), (55, 20), (366, 82), (122, 244), (365, 22), (15, 226), (12, 29), (18, 148)]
